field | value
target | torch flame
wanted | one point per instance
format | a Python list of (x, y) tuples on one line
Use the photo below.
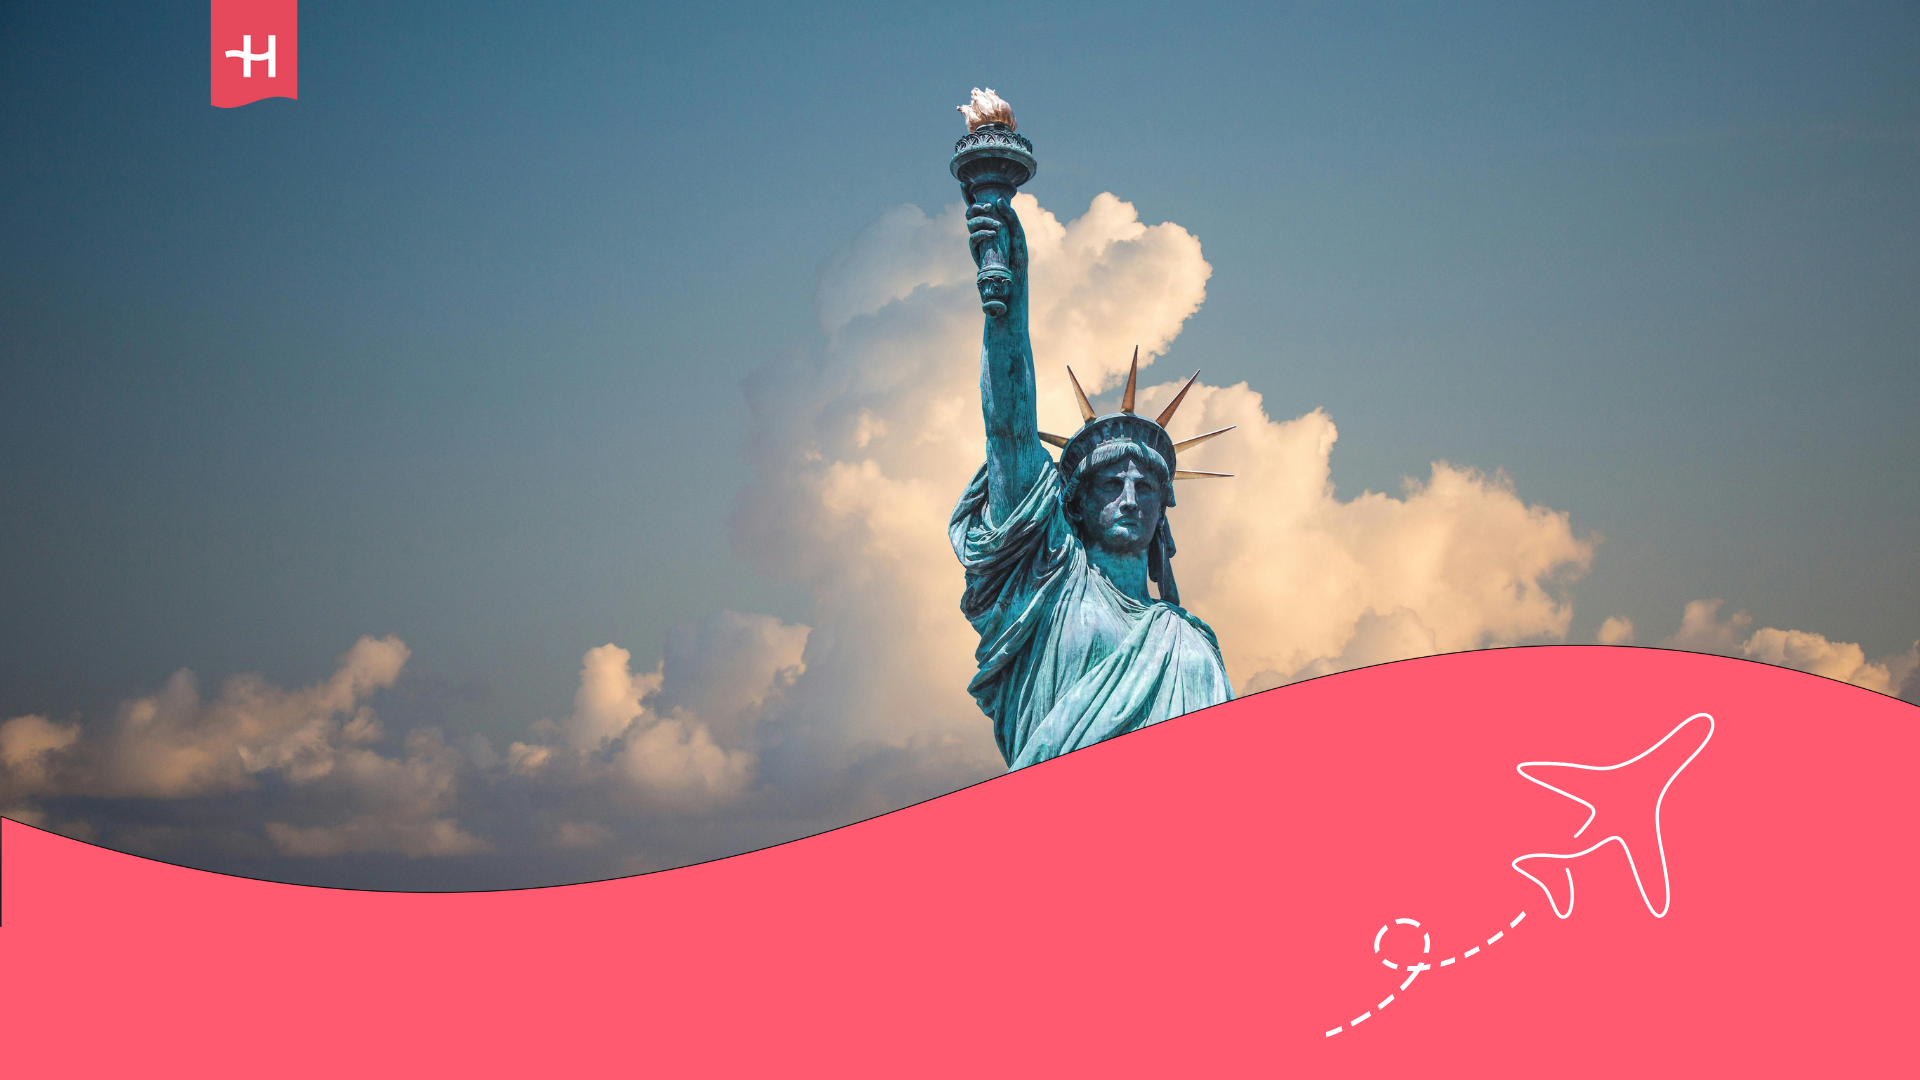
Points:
[(987, 108)]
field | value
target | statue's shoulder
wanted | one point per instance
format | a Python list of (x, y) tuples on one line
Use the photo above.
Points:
[(1035, 529), (1194, 621)]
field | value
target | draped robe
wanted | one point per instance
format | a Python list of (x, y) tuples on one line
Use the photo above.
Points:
[(1067, 659)]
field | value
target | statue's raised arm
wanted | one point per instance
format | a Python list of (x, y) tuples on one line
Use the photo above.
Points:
[(991, 163), (1015, 458)]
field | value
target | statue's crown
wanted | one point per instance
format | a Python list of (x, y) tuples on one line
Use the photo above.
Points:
[(1126, 424)]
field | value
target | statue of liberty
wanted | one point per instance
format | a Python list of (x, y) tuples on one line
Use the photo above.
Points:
[(1059, 557)]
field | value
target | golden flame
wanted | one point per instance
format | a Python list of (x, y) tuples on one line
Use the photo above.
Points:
[(987, 108)]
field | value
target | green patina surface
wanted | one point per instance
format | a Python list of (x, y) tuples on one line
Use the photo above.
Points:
[(1074, 648)]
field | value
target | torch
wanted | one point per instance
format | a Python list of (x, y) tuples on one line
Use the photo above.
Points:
[(991, 161)]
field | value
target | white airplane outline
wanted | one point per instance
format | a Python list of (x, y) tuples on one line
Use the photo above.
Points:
[(1592, 812)]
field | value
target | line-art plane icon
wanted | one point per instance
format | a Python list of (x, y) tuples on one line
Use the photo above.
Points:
[(1622, 789)]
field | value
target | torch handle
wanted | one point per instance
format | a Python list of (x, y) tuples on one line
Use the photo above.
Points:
[(995, 256)]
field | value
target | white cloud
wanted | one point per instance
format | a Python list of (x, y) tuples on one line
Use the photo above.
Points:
[(528, 759), (1299, 582), (1701, 630), (901, 251), (608, 699), (724, 672), (1903, 671), (1841, 660), (1617, 630), (1377, 639), (26, 745), (682, 736), (405, 804), (581, 834), (173, 746), (436, 836), (680, 759)]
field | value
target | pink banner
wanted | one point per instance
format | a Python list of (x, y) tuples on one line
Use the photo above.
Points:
[(256, 51), (1564, 861)]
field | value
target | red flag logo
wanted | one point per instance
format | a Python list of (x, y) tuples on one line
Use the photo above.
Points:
[(256, 51)]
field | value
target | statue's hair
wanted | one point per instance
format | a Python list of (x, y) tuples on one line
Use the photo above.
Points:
[(1160, 547)]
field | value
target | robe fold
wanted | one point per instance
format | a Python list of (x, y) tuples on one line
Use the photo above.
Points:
[(1066, 659)]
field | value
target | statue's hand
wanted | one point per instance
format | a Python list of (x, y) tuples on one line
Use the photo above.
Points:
[(983, 226), (987, 220)]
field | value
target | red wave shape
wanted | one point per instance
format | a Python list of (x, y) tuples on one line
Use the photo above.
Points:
[(1210, 896)]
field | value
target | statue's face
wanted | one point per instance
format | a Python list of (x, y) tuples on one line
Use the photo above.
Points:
[(1120, 507)]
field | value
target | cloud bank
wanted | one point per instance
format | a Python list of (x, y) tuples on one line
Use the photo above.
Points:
[(317, 742), (748, 730), (1702, 630)]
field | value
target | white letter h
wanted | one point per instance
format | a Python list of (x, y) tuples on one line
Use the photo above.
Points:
[(245, 53)]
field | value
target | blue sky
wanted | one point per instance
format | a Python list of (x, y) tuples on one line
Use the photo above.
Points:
[(452, 348)]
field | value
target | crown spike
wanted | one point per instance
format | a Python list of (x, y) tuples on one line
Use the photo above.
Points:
[(1198, 439), (1187, 474), (1086, 407), (1166, 414), (1133, 379), (1056, 440)]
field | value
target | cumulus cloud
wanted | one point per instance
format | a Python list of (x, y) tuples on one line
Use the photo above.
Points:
[(173, 745), (1617, 630), (581, 834), (1299, 582), (1841, 660), (403, 804), (1702, 630), (28, 744), (681, 736), (749, 730)]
